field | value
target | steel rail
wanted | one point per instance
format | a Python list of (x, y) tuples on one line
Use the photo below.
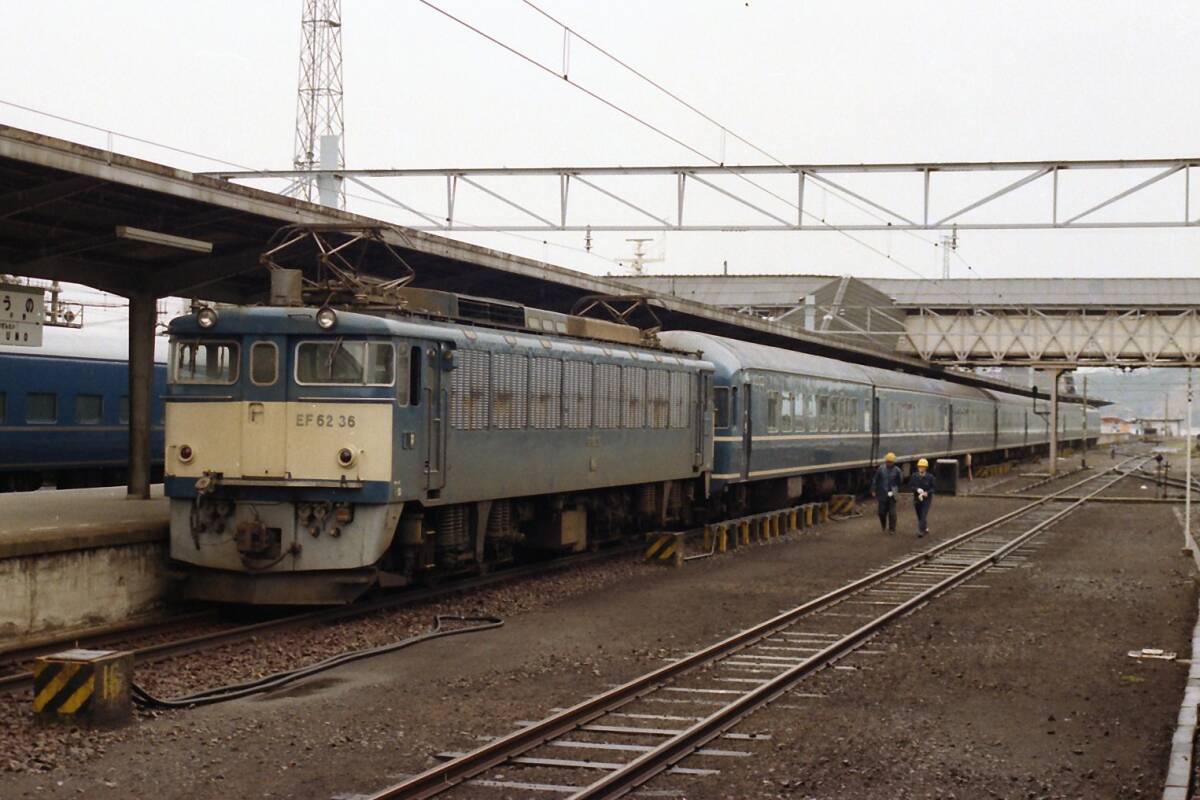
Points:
[(16, 653), (1045, 480), (670, 752), (193, 644), (445, 776)]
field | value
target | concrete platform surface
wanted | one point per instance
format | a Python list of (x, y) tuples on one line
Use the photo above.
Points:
[(54, 521)]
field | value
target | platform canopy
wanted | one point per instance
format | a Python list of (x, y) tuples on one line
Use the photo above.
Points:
[(136, 228)]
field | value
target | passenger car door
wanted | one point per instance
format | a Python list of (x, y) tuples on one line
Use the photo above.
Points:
[(747, 432)]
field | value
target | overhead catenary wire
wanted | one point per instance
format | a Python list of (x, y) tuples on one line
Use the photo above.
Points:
[(228, 163), (725, 129), (130, 137), (665, 134)]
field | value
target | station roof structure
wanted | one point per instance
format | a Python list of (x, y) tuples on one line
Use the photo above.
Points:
[(63, 207), (735, 291)]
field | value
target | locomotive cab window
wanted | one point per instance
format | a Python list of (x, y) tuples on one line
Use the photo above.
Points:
[(721, 407), (414, 375), (343, 363), (204, 362), (403, 370), (264, 363)]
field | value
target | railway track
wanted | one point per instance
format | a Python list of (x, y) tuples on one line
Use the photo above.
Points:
[(21, 678), (665, 716)]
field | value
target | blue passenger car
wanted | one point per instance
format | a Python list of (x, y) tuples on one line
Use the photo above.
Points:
[(790, 425), (64, 421)]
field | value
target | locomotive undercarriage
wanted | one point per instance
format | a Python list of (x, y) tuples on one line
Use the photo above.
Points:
[(475, 537)]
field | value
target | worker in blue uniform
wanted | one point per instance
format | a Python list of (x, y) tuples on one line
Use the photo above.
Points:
[(886, 489), (921, 485)]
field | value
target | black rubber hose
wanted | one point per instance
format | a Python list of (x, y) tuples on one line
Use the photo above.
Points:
[(220, 694)]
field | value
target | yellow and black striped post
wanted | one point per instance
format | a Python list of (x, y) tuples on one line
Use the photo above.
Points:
[(841, 504), (665, 549), (91, 685)]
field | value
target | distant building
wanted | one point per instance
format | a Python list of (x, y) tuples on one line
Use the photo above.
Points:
[(1157, 426), (1120, 425)]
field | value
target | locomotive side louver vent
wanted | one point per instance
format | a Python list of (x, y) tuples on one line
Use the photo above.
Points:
[(491, 312)]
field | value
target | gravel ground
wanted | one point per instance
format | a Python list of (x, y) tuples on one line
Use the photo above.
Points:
[(26, 744), (1023, 689), (962, 705)]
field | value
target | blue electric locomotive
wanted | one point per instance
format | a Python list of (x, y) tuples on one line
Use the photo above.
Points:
[(313, 454)]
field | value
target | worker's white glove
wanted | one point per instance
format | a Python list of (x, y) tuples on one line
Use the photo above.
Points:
[(890, 493), (921, 494)]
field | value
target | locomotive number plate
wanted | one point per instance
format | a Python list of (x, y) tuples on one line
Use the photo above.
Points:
[(325, 421)]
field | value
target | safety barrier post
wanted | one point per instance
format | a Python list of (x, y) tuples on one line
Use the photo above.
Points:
[(665, 549), (80, 685)]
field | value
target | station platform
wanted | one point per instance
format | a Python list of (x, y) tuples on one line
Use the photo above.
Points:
[(53, 521), (76, 558)]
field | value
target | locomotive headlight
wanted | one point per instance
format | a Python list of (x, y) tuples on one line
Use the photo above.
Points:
[(345, 457), (326, 318), (185, 453), (206, 317)]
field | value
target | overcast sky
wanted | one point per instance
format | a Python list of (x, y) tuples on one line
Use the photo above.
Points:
[(808, 82)]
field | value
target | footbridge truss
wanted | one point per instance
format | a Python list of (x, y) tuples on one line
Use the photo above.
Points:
[(1133, 337)]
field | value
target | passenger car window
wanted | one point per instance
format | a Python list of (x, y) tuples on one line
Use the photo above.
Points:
[(773, 401), (123, 410), (203, 362), (41, 407), (89, 409), (264, 363)]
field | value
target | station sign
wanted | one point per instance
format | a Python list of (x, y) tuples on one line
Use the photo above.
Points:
[(22, 315)]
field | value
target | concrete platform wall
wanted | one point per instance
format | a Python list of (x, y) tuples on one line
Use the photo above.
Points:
[(75, 588)]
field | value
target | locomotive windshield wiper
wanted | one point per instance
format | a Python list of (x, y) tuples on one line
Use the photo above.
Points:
[(333, 351)]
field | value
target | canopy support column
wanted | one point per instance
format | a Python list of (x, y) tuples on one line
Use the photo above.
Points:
[(142, 318), (1054, 375)]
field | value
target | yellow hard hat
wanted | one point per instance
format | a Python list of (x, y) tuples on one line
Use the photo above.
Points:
[(922, 463), (890, 457)]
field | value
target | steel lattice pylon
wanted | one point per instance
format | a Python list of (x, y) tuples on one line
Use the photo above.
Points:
[(320, 127)]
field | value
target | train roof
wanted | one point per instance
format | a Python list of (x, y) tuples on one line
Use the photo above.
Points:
[(301, 321), (732, 355)]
